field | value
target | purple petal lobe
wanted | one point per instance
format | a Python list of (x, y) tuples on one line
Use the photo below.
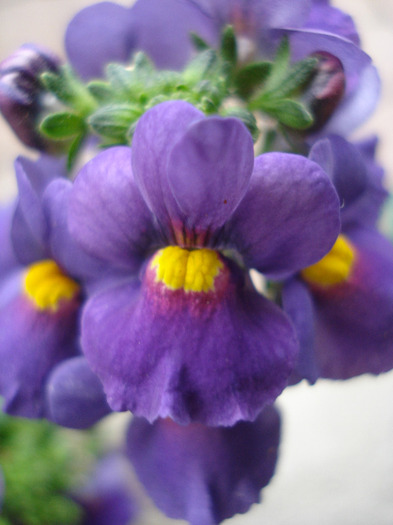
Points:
[(157, 131), (354, 321), (212, 357), (209, 169), (99, 34), (75, 396), (163, 30), (298, 304), (107, 215), (8, 261), (31, 344), (106, 498), (204, 474), (289, 216), (30, 228)]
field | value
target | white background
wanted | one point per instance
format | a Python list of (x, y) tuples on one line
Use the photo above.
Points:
[(336, 461)]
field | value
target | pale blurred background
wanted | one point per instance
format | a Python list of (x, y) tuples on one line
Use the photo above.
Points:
[(336, 461)]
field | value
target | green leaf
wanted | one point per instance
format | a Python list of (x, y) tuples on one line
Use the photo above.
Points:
[(246, 117), (290, 113), (58, 85), (297, 76), (228, 47), (279, 66), (67, 88), (198, 42), (100, 90), (114, 121), (120, 78), (201, 67), (74, 150), (61, 126), (250, 77)]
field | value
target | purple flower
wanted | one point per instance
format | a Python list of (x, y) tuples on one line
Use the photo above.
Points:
[(40, 287), (22, 97), (342, 306), (183, 333), (108, 32), (203, 474), (106, 498)]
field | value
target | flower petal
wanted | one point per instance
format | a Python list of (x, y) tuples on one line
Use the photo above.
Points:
[(8, 261), (289, 217), (298, 304), (31, 344), (75, 396), (203, 474), (354, 323), (99, 34), (157, 131), (107, 215), (190, 356), (355, 175), (164, 30), (30, 229), (209, 170)]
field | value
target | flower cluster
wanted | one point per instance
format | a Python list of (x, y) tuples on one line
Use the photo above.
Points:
[(220, 244)]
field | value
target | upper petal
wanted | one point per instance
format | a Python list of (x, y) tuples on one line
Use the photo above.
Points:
[(99, 34), (209, 170), (288, 217), (107, 214), (30, 228), (157, 131)]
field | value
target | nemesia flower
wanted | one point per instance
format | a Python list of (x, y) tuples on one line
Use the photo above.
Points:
[(162, 29), (107, 497), (22, 97), (39, 301), (204, 474), (342, 306), (185, 335)]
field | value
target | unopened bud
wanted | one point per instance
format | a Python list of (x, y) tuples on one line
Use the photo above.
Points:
[(22, 97)]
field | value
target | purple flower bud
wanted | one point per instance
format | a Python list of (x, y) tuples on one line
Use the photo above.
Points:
[(22, 98), (326, 89)]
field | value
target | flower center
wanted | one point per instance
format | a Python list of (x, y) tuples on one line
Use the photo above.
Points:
[(335, 267), (48, 286), (190, 270)]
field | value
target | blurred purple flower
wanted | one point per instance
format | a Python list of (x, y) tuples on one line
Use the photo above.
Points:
[(107, 32), (39, 301), (343, 306), (107, 497), (185, 335), (22, 97), (202, 474)]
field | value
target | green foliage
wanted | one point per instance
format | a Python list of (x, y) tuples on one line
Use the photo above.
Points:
[(39, 471), (60, 126), (213, 81)]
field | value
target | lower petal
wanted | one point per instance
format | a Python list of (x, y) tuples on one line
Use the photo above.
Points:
[(204, 474), (192, 356), (32, 342)]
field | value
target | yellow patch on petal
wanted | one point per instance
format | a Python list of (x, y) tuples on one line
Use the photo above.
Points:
[(190, 270), (47, 286), (335, 267)]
